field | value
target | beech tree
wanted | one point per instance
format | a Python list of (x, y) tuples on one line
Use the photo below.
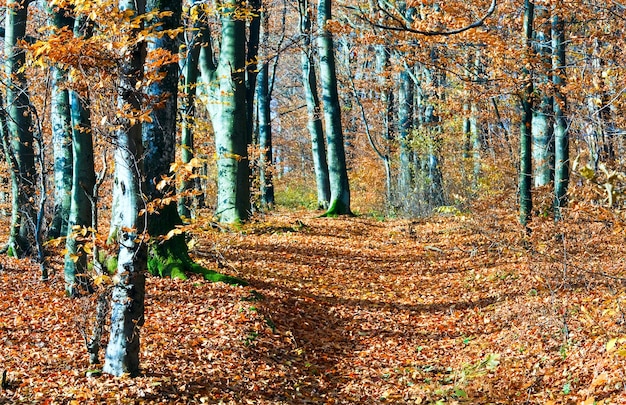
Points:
[(313, 106), (61, 122), (127, 297), (224, 89), (19, 124), (337, 169)]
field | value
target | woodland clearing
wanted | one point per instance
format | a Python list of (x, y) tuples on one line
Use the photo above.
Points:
[(455, 308)]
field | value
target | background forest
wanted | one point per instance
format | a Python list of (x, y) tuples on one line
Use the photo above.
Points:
[(403, 201)]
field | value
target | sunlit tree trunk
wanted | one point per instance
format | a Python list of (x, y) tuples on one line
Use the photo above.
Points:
[(542, 122), (60, 121), (561, 134), (264, 99), (226, 103), (525, 173), (337, 168), (405, 126), (189, 77), (387, 98), (19, 130), (127, 297), (314, 112), (83, 204)]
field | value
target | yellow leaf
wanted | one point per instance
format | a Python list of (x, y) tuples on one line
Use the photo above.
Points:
[(621, 352), (103, 278), (610, 345), (74, 257)]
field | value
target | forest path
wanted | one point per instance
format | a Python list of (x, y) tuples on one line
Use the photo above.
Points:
[(454, 308)]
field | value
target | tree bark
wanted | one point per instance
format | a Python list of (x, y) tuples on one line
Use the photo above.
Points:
[(264, 99), (337, 168), (83, 201), (61, 122), (127, 297), (19, 127), (226, 103), (561, 133), (314, 114), (525, 180), (542, 125)]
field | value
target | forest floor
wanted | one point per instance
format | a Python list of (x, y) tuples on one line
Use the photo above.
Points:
[(450, 309)]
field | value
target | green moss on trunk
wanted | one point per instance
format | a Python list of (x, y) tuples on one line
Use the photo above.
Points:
[(171, 259)]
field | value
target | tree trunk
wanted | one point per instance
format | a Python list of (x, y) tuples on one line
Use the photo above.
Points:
[(61, 123), (405, 126), (561, 134), (83, 204), (525, 180), (337, 168), (127, 297), (314, 114), (226, 103), (264, 99), (188, 113), (61, 146), (19, 127), (542, 122)]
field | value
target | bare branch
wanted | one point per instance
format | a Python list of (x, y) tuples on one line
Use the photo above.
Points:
[(404, 27)]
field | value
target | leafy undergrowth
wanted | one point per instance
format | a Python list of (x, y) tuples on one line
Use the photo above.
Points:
[(456, 308)]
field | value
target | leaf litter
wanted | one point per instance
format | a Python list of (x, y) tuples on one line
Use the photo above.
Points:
[(450, 309)]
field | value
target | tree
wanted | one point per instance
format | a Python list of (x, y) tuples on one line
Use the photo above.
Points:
[(525, 172), (561, 132), (337, 168), (314, 114), (542, 122), (127, 297), (82, 217), (225, 93), (264, 98), (61, 123), (20, 132)]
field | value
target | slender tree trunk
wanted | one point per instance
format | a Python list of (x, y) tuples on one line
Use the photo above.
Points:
[(561, 134), (188, 112), (226, 103), (127, 297), (525, 180), (264, 99), (542, 122), (405, 126), (337, 168), (83, 204), (61, 122), (314, 112), (252, 48)]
